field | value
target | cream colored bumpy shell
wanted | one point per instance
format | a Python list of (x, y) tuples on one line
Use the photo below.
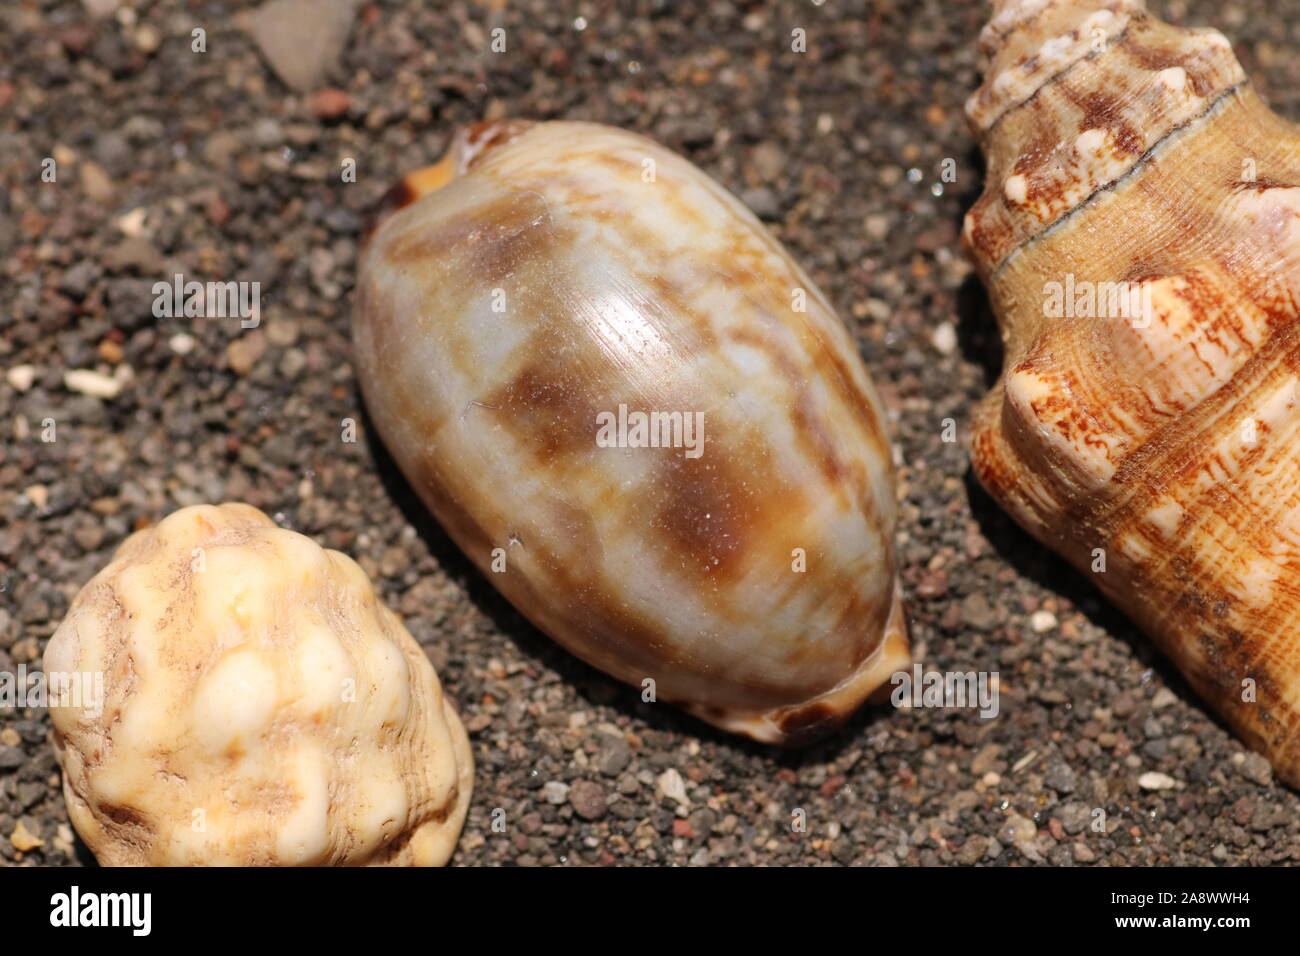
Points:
[(1140, 238), (544, 275), (261, 707)]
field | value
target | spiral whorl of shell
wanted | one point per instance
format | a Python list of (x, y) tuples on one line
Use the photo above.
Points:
[(1140, 236)]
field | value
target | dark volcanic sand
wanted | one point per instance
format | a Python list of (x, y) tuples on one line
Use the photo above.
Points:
[(205, 164)]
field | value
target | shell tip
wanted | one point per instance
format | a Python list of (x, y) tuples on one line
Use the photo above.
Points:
[(468, 146)]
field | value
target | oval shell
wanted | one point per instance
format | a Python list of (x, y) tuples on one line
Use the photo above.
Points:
[(567, 276)]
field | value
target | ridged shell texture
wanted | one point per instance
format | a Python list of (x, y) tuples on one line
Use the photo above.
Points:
[(260, 706), (1140, 238)]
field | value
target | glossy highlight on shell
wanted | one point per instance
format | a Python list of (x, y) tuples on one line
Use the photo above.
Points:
[(545, 280), (1140, 238)]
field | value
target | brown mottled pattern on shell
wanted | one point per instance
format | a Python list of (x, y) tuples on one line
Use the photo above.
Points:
[(1103, 434), (1088, 126), (662, 296)]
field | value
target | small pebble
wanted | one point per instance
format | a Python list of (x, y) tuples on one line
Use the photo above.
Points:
[(243, 352), (95, 182), (555, 792), (23, 839), (1042, 621), (985, 759), (38, 495), (671, 785), (614, 755), (330, 103), (1153, 780), (944, 338), (302, 40), (977, 612), (21, 377), (292, 363), (588, 799), (282, 332), (110, 352), (1164, 697), (181, 343), (86, 381), (1257, 769), (147, 38)]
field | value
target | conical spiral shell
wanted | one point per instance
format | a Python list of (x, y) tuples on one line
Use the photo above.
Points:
[(1140, 237)]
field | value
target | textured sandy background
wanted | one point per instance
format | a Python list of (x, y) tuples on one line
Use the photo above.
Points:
[(207, 164)]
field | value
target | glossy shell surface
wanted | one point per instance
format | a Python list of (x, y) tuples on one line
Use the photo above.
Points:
[(565, 270)]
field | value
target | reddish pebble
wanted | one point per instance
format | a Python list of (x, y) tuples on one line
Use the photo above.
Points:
[(330, 103), (217, 210), (832, 786)]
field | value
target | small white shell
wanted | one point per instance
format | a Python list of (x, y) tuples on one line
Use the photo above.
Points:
[(259, 706)]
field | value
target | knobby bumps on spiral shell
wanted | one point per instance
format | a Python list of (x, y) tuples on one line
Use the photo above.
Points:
[(642, 421), (257, 705), (1140, 238)]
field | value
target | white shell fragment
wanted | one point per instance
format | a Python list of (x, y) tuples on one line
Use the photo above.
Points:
[(259, 706)]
